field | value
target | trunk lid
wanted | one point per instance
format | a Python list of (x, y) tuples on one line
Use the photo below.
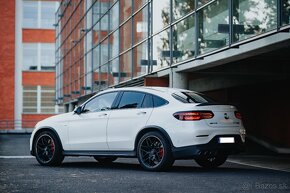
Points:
[(224, 115)]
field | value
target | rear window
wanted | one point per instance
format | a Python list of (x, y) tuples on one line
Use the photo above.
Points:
[(192, 97)]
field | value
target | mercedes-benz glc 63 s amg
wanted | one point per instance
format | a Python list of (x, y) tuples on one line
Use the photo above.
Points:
[(155, 124)]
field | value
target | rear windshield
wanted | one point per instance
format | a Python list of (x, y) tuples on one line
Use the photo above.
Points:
[(192, 97)]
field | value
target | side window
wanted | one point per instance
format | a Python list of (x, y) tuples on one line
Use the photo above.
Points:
[(157, 101), (131, 100), (148, 101), (101, 103)]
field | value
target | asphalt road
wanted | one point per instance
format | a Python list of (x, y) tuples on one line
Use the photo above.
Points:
[(84, 174)]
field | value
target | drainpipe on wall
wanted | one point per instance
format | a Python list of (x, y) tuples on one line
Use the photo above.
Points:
[(18, 66)]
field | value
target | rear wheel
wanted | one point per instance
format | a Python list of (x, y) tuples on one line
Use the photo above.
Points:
[(105, 160), (154, 152), (47, 149), (211, 161)]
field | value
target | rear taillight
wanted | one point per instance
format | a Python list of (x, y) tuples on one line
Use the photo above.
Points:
[(193, 115), (238, 115)]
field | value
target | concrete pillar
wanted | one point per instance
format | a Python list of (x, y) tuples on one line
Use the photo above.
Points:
[(178, 80), (18, 66)]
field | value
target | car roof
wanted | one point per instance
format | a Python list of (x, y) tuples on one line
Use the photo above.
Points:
[(154, 89)]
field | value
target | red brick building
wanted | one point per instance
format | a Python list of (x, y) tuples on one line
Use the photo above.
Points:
[(27, 60)]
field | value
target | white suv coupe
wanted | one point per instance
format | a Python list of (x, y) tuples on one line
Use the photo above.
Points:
[(155, 124)]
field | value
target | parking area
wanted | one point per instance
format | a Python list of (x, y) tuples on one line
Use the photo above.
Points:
[(19, 172)]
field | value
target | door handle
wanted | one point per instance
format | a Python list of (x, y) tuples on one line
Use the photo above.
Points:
[(103, 115), (141, 113)]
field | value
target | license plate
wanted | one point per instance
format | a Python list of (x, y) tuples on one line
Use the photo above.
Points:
[(226, 140)]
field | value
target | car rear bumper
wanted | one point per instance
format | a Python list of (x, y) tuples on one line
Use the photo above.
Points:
[(213, 147)]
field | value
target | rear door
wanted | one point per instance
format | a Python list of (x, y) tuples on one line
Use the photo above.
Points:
[(131, 114)]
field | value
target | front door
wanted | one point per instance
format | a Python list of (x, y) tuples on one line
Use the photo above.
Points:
[(87, 131)]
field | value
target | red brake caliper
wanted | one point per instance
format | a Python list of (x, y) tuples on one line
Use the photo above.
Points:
[(161, 152), (52, 146)]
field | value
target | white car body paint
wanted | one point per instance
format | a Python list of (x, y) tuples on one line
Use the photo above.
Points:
[(115, 130)]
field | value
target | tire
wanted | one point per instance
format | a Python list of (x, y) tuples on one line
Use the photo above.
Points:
[(48, 150), (211, 161), (105, 160), (154, 152)]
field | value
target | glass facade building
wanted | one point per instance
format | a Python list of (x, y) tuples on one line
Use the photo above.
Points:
[(107, 43)]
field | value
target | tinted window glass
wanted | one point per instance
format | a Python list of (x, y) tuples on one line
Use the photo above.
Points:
[(101, 103), (148, 101), (192, 97), (131, 100), (159, 101)]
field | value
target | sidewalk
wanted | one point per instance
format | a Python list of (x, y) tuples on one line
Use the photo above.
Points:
[(258, 156)]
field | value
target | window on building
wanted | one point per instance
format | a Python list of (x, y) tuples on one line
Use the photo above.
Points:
[(38, 56), (214, 26), (40, 100), (114, 72), (47, 100), (126, 9), (182, 7), (126, 66), (249, 20), (161, 50), (29, 99), (202, 2), (161, 14), (138, 4), (286, 12), (47, 57), (141, 25), (140, 59), (114, 19), (30, 56), (48, 10), (126, 35), (184, 39), (104, 77), (39, 14), (30, 14), (114, 44)]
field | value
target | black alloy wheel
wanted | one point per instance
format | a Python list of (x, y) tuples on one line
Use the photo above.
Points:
[(154, 152), (47, 149)]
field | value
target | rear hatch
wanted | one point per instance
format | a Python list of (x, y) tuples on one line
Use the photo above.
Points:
[(224, 115)]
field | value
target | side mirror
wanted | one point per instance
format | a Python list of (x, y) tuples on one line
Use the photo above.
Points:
[(78, 110)]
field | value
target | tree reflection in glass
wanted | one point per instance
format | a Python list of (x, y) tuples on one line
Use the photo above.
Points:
[(182, 7), (253, 17), (285, 12)]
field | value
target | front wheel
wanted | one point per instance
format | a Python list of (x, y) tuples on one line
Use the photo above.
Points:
[(211, 161), (154, 152), (47, 149)]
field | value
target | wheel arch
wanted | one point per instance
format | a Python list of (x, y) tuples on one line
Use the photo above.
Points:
[(149, 129), (42, 129)]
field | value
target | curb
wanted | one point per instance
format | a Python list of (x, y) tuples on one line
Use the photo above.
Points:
[(16, 131)]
